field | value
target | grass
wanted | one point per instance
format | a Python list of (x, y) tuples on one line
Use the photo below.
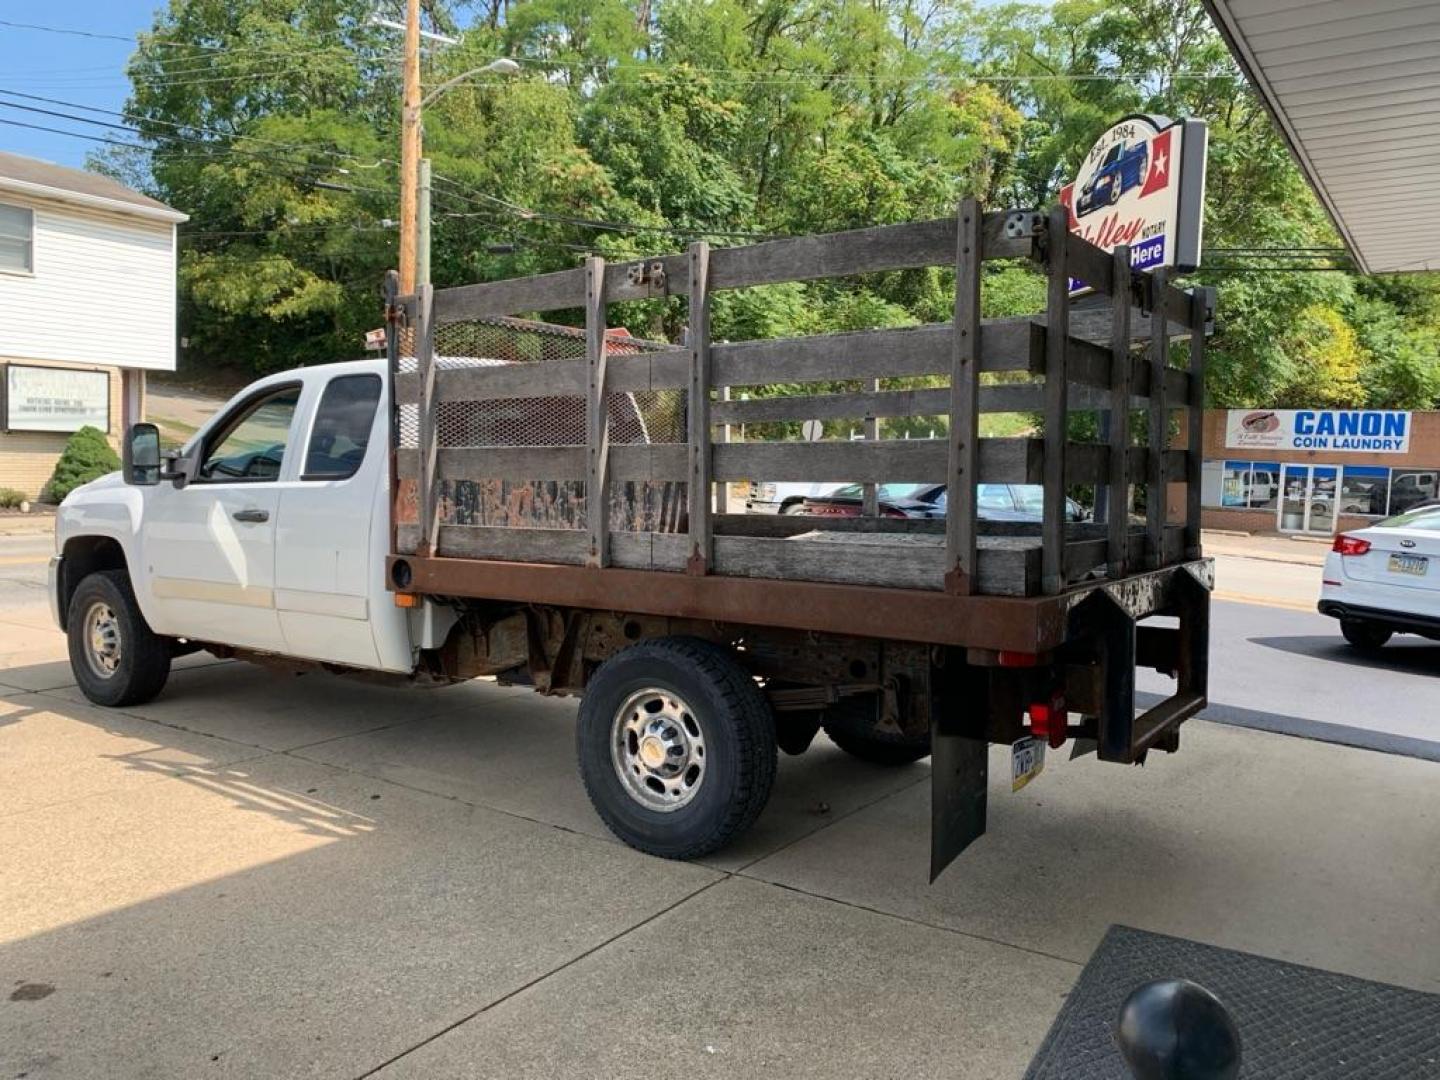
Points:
[(173, 433), (1006, 425)]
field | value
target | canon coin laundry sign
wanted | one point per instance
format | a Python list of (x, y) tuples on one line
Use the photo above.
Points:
[(1143, 184), (1355, 431)]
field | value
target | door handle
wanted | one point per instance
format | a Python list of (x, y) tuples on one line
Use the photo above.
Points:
[(251, 515)]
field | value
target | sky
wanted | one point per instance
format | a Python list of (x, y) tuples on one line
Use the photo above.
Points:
[(87, 71)]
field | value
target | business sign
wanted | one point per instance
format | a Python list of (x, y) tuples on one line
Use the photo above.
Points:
[(1143, 184), (55, 399), (1343, 431)]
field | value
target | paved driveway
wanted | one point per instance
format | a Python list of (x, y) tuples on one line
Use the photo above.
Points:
[(262, 875)]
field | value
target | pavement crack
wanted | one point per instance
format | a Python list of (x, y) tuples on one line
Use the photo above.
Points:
[(544, 975), (911, 920)]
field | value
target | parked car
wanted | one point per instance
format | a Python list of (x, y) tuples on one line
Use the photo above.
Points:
[(1411, 489), (1385, 580), (782, 498), (1124, 167), (994, 502)]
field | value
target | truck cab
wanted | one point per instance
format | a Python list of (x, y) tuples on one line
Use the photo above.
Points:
[(266, 532)]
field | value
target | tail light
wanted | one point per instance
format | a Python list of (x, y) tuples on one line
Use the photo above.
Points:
[(1350, 545), (1049, 720)]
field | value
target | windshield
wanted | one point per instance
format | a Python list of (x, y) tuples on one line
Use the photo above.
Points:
[(887, 492)]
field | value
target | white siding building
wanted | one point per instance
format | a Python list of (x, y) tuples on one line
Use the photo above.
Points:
[(87, 278)]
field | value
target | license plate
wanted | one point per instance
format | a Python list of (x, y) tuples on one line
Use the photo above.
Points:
[(1409, 564), (1027, 761)]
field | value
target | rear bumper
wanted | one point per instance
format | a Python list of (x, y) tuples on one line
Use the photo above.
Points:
[(1396, 620)]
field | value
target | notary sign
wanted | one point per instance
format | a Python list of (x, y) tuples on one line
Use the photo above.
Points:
[(55, 399), (1355, 431), (1143, 184)]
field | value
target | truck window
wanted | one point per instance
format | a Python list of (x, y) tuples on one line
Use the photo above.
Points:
[(250, 444), (342, 427)]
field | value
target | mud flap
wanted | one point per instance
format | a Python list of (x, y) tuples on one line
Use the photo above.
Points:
[(959, 767)]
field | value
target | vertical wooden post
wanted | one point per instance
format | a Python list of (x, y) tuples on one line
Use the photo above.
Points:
[(1159, 434), (870, 493), (701, 547), (1118, 507), (1057, 335), (722, 492), (429, 520), (1195, 420), (597, 417), (961, 572)]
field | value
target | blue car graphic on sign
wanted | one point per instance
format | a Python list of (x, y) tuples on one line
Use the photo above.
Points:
[(1124, 167)]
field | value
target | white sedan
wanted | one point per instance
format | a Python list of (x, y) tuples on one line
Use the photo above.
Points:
[(1385, 580)]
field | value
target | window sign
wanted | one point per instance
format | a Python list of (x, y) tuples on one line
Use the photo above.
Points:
[(1356, 431), (56, 399)]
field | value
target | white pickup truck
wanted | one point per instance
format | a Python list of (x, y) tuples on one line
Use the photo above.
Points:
[(267, 533)]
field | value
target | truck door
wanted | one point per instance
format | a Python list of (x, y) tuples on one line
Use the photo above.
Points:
[(209, 547), (324, 571)]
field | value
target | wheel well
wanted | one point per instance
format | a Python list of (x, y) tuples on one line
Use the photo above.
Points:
[(84, 555)]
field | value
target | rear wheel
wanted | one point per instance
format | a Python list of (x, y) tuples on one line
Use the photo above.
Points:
[(851, 726), (1365, 635), (115, 656), (676, 746)]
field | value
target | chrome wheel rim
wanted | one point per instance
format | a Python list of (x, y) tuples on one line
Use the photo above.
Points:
[(658, 749), (102, 640)]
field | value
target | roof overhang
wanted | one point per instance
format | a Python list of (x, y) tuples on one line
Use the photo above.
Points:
[(1354, 86), (93, 202)]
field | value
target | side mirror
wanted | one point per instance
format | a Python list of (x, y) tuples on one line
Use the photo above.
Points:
[(141, 455)]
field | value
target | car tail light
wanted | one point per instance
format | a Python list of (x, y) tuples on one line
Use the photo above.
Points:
[(1350, 545), (1013, 658), (1049, 720)]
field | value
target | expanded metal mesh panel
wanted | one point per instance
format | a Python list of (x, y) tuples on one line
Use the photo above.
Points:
[(635, 418)]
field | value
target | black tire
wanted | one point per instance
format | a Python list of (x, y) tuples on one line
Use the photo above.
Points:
[(1365, 635), (143, 661), (736, 732), (851, 726), (797, 507)]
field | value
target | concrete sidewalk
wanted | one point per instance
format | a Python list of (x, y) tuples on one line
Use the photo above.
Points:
[(1302, 551), (260, 875)]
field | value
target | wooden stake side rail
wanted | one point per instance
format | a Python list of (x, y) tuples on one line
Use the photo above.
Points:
[(1065, 360)]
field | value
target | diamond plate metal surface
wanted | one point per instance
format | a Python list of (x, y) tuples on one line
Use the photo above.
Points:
[(1296, 1023)]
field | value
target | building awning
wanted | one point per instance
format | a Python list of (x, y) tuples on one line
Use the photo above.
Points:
[(1355, 87)]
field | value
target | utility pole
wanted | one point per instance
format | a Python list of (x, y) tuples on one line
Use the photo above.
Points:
[(410, 147)]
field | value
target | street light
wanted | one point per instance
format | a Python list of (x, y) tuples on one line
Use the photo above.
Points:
[(503, 66)]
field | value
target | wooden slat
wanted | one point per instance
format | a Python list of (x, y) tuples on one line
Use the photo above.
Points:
[(896, 563), (512, 296), (1057, 332), (859, 251), (962, 473), (649, 550), (1118, 480), (831, 406), (898, 461), (700, 475), (869, 354), (597, 417), (1195, 422), (425, 368), (1092, 265), (510, 542), (1158, 428)]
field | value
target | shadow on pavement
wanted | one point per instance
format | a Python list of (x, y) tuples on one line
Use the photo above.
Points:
[(1406, 653)]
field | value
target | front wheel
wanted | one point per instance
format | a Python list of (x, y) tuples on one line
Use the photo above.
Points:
[(115, 656), (676, 746), (1364, 635)]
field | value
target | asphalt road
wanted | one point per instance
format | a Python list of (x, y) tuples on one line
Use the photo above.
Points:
[(1290, 671), (22, 570)]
